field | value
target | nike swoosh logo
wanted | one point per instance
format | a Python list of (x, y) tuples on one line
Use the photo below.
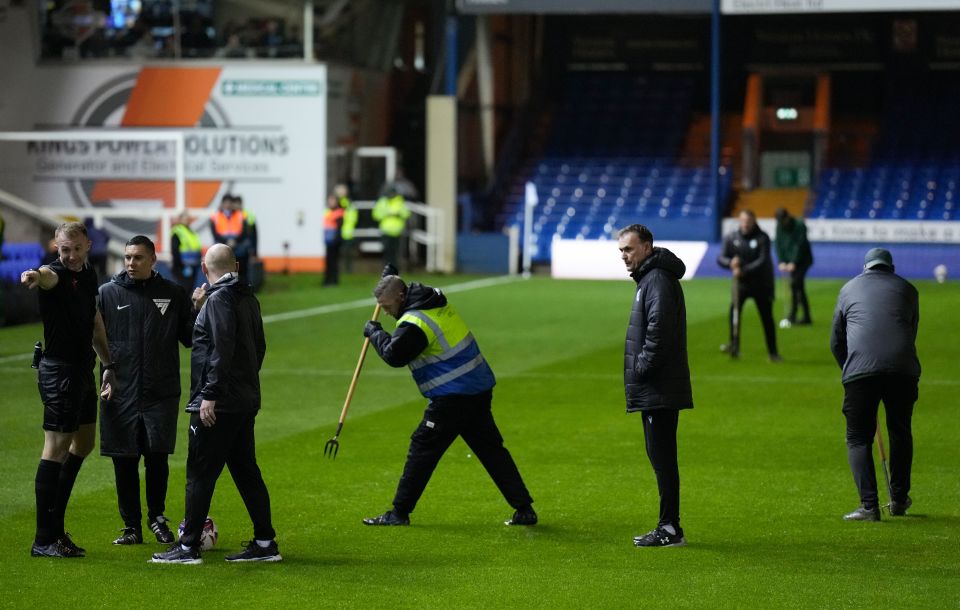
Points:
[(119, 307)]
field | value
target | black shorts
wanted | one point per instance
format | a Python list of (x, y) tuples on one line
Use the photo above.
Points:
[(68, 393)]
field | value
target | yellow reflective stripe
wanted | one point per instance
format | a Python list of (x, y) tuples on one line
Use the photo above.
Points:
[(437, 331)]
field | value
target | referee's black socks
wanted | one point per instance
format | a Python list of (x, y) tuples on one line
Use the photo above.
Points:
[(46, 484), (68, 476)]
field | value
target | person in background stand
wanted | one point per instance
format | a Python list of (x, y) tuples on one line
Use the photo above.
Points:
[(350, 217), (746, 252), (71, 324), (796, 258), (391, 212), (229, 227), (185, 250), (332, 240)]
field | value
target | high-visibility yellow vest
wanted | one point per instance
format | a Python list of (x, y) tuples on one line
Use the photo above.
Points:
[(349, 218), (392, 214), (189, 244), (452, 362)]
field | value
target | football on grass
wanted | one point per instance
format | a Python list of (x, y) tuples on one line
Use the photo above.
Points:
[(208, 537)]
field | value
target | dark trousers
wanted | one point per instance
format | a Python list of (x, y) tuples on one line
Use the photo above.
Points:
[(126, 471), (346, 255), (443, 421), (660, 435), (798, 293), (186, 277), (229, 442), (861, 401), (331, 274), (391, 251), (764, 303)]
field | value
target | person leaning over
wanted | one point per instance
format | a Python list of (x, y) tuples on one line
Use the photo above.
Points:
[(746, 252), (796, 258), (228, 351), (71, 324), (656, 374), (874, 342), (446, 363), (147, 317)]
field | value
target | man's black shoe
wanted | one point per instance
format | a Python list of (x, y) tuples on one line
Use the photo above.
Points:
[(130, 535), (177, 554), (524, 516), (863, 514), (730, 348), (161, 530), (899, 509), (388, 518), (67, 541), (805, 322), (660, 537), (54, 549), (775, 358), (254, 552)]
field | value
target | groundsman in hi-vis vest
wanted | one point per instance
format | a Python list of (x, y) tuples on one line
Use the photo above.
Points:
[(433, 340)]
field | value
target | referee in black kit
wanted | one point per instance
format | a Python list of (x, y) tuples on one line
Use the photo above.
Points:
[(71, 324)]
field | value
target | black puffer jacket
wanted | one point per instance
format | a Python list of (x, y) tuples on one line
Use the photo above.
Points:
[(145, 320), (656, 374), (228, 349)]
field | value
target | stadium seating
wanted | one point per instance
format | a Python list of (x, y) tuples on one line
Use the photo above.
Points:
[(17, 258), (612, 158), (915, 167)]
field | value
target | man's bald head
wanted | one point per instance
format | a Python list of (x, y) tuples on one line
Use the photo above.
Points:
[(219, 261)]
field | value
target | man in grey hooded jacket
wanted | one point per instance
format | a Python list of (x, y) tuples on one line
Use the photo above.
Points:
[(874, 342)]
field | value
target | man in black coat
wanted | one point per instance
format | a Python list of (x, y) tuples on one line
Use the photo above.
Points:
[(656, 374), (874, 342), (146, 317), (228, 351), (746, 252)]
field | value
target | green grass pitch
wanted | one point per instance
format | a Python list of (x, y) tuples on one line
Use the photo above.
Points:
[(762, 462)]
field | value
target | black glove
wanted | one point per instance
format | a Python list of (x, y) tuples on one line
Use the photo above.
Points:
[(371, 327), (389, 269)]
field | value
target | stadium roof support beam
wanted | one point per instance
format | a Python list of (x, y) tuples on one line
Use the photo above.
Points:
[(485, 93)]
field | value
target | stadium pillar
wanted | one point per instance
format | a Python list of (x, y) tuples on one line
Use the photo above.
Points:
[(308, 31), (715, 115), (442, 175), (450, 87)]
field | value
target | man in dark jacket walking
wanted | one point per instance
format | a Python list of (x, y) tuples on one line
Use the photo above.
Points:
[(874, 342), (796, 258), (746, 252), (451, 372), (146, 316), (228, 350), (656, 374)]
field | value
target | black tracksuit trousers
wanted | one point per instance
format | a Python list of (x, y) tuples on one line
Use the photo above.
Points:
[(798, 293), (660, 435), (860, 404), (230, 441), (444, 420), (764, 303)]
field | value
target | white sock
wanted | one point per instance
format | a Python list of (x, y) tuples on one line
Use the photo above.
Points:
[(263, 543), (669, 529)]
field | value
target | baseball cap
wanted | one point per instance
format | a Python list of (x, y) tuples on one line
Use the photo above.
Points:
[(877, 256)]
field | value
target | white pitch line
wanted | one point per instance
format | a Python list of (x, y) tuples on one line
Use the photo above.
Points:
[(336, 307)]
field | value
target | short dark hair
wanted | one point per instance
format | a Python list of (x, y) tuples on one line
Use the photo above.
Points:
[(782, 214), (748, 212), (642, 232), (388, 282), (142, 240)]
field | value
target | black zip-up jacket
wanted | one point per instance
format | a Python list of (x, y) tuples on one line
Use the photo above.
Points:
[(656, 373), (756, 264), (145, 321), (228, 349), (408, 341)]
